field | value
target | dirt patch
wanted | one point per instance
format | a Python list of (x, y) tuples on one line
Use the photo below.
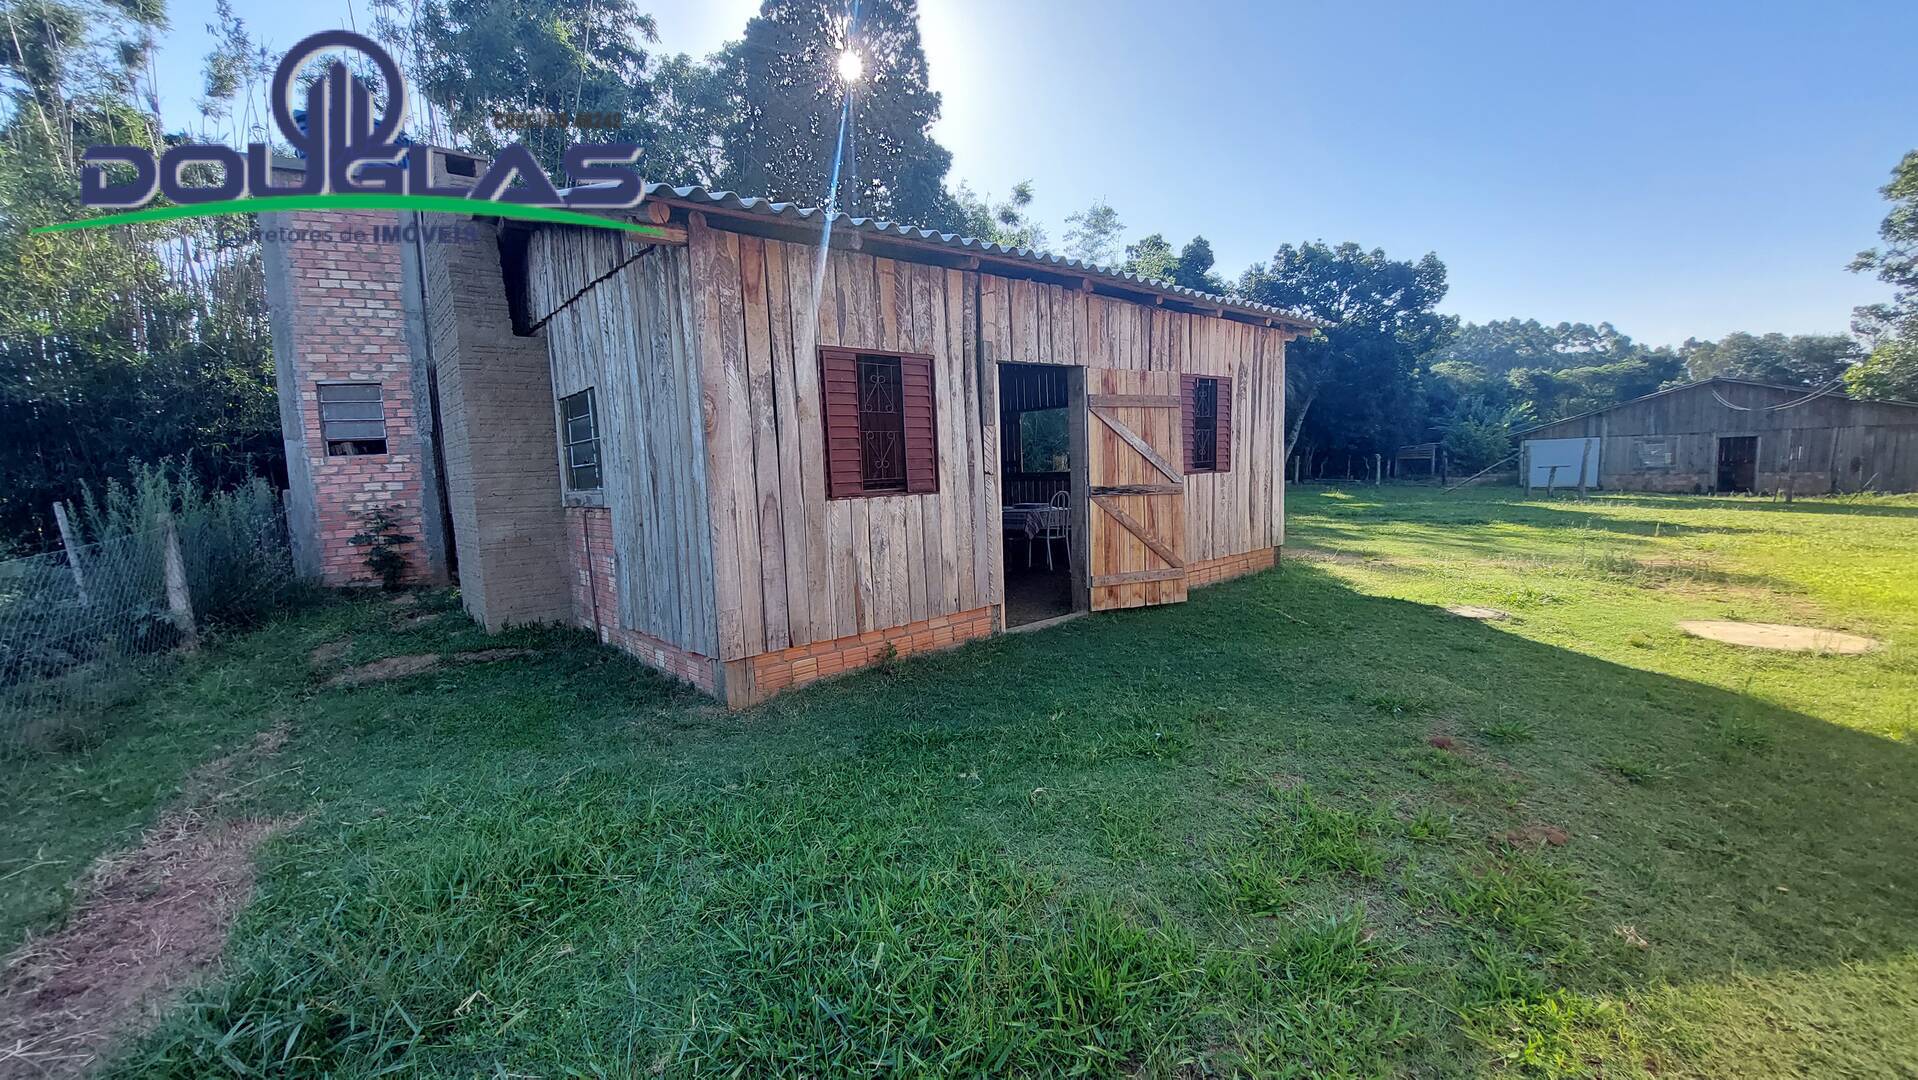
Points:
[(1342, 558), (399, 667), (1473, 611), (149, 922), (393, 667), (328, 654), (1532, 836), (1780, 636), (1442, 742), (487, 656)]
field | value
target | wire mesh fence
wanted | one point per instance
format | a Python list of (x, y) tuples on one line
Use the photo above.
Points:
[(81, 630)]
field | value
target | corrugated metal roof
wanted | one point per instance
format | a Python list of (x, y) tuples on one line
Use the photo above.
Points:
[(700, 197), (1806, 393)]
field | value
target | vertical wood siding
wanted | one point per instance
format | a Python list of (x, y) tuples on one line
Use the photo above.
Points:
[(630, 339), (788, 565), (1819, 444)]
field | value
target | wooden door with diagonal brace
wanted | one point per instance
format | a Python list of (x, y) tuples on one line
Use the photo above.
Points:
[(1136, 475)]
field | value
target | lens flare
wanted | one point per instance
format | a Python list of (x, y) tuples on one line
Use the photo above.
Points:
[(851, 66)]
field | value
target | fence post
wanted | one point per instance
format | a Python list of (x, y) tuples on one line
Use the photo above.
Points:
[(71, 541), (1584, 457), (178, 601)]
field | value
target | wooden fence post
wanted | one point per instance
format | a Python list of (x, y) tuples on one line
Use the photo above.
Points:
[(1584, 458), (1551, 479), (71, 541), (178, 601)]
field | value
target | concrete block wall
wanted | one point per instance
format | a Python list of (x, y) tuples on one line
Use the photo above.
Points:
[(335, 292), (497, 435)]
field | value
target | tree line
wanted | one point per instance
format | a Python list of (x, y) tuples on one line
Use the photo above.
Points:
[(152, 342)]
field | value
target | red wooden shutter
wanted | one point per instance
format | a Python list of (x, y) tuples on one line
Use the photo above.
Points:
[(922, 439), (839, 393), (1187, 384), (1224, 438)]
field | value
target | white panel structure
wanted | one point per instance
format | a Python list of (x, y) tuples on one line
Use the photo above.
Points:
[(1566, 454)]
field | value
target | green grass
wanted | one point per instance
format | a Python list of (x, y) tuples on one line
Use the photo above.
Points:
[(1215, 838)]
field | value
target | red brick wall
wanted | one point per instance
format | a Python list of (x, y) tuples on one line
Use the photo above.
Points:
[(1213, 571), (756, 678), (594, 584), (349, 324)]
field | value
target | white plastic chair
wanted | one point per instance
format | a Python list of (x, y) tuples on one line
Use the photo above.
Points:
[(1055, 524)]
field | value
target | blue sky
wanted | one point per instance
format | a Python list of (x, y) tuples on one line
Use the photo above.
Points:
[(1680, 169)]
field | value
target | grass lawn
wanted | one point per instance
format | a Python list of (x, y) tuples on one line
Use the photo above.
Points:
[(1210, 839)]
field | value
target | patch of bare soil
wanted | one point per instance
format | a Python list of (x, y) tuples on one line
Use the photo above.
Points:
[(393, 667), (1533, 836), (328, 654), (1317, 555), (1473, 611), (399, 667), (152, 919), (1780, 636)]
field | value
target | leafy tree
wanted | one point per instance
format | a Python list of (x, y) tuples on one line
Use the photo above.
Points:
[(1356, 384), (1890, 373), (1892, 327), (1896, 263), (1008, 222), (139, 342), (1505, 345), (1799, 360), (781, 138), (692, 107), (1190, 266), (1092, 234), (475, 59)]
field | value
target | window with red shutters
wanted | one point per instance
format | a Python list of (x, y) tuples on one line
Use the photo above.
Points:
[(1205, 416), (881, 423)]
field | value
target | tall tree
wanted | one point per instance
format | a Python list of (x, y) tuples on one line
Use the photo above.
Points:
[(1007, 222), (141, 341), (785, 75), (1092, 234), (476, 60), (1191, 266), (1890, 373), (1355, 385), (1798, 360), (1892, 327)]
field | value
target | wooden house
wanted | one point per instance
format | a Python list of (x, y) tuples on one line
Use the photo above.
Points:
[(767, 459), (1730, 435)]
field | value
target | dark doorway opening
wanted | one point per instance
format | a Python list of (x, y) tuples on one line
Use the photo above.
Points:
[(1737, 464), (1041, 490)]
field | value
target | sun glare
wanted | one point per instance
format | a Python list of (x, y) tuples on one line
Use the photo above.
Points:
[(851, 66)]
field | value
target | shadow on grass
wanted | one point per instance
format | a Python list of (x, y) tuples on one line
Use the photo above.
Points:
[(572, 829)]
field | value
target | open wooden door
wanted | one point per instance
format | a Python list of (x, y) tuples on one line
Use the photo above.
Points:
[(1135, 535)]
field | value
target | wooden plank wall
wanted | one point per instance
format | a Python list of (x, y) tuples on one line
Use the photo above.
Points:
[(1226, 513), (630, 338), (792, 567), (795, 567), (1838, 444)]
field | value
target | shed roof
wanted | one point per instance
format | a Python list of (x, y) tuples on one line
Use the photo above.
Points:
[(1806, 394), (698, 197)]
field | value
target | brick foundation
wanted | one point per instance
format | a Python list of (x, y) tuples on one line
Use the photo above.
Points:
[(595, 606), (1213, 571), (595, 601), (348, 324), (757, 678)]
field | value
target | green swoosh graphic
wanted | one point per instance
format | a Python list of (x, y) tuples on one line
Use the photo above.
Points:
[(446, 204)]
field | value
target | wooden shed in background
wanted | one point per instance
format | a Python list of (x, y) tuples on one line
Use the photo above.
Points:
[(1731, 435)]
